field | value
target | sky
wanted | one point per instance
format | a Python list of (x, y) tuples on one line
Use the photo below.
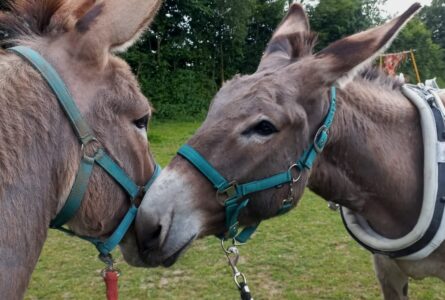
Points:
[(394, 7)]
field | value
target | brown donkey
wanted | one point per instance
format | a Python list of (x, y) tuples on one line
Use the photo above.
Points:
[(259, 124), (39, 152)]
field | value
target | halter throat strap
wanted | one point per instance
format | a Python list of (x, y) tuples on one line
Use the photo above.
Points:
[(100, 157), (235, 194)]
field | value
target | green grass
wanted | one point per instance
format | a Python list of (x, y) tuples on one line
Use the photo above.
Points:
[(303, 255)]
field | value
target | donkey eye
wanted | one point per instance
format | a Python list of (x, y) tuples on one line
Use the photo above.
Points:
[(141, 123), (263, 128)]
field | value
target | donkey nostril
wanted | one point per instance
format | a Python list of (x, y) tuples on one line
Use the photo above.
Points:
[(152, 241), (156, 233)]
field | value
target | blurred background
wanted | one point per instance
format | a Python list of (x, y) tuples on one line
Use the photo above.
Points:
[(195, 45)]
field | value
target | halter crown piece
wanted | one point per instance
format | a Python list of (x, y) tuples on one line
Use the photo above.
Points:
[(100, 157), (235, 193)]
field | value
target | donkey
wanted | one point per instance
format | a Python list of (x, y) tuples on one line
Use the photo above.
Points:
[(258, 124), (39, 151)]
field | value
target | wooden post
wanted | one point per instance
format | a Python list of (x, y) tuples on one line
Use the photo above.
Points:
[(416, 70)]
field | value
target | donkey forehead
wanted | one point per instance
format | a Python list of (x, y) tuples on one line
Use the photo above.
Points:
[(260, 93), (127, 85), (113, 86)]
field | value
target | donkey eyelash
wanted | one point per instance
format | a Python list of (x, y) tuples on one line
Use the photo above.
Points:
[(262, 128), (141, 123)]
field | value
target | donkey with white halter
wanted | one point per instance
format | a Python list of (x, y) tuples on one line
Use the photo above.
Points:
[(73, 127), (269, 134)]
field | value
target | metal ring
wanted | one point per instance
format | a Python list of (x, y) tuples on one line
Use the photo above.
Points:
[(104, 272), (323, 128), (83, 147), (300, 173), (287, 201), (226, 250), (228, 193), (239, 275)]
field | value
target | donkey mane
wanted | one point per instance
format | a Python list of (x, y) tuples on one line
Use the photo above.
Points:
[(376, 76), (25, 18)]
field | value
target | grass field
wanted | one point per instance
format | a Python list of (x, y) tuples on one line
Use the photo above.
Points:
[(303, 255)]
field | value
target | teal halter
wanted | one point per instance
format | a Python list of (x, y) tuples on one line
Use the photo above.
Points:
[(86, 136), (235, 193)]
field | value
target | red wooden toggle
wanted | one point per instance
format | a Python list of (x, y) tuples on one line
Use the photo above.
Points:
[(111, 278)]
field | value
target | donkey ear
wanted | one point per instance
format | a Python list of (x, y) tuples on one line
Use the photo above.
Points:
[(102, 26), (342, 60), (291, 40), (296, 20)]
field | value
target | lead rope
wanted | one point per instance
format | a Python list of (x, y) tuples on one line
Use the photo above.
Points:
[(110, 276), (233, 255)]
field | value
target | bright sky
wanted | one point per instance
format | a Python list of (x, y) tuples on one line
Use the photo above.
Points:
[(394, 7)]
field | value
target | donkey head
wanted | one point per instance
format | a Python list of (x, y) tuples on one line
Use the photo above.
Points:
[(257, 126), (78, 38)]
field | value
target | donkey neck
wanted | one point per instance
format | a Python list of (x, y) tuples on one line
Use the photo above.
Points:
[(33, 166), (374, 161)]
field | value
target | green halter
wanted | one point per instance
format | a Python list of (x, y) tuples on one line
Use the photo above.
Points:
[(100, 157), (235, 193)]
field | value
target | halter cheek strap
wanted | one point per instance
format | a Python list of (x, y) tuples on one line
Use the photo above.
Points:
[(235, 193), (100, 157)]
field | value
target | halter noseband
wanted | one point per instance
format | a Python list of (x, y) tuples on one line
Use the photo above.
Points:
[(235, 193), (100, 157)]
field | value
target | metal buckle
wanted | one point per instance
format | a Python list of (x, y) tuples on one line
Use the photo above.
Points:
[(322, 129), (229, 192), (109, 262), (299, 172), (84, 146), (333, 206)]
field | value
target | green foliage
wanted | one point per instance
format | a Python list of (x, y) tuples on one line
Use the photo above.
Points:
[(429, 56), (334, 19), (262, 24), (434, 18), (195, 45)]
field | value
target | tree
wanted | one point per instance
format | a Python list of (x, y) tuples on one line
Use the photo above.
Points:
[(262, 24), (195, 45), (429, 55), (434, 18), (222, 26), (334, 19), (171, 64)]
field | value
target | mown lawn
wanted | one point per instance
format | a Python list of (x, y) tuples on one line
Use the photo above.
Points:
[(303, 255)]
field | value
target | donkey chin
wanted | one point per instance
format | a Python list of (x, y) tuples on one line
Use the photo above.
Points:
[(167, 256), (166, 229), (171, 244), (131, 252)]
